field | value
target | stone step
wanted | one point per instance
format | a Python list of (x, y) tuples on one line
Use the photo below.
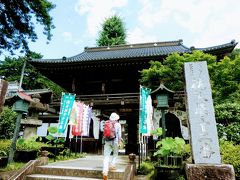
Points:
[(52, 177), (78, 172)]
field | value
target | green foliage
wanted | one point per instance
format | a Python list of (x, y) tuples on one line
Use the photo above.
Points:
[(51, 137), (228, 118), (5, 145), (227, 113), (66, 155), (29, 144), (235, 53), (170, 71), (225, 80), (224, 74), (13, 166), (181, 177), (17, 23), (53, 130), (11, 69), (229, 132), (157, 132), (145, 168), (3, 153), (7, 123), (170, 147), (230, 154), (112, 33)]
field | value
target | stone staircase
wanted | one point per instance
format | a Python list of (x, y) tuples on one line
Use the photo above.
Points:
[(89, 168)]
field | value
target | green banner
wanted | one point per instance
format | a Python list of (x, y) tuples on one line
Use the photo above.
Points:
[(65, 110), (144, 93)]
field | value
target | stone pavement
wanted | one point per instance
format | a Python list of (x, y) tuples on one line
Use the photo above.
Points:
[(89, 167), (91, 162)]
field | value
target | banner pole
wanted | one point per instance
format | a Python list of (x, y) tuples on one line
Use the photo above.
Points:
[(81, 145), (70, 141), (76, 146), (139, 129), (55, 152)]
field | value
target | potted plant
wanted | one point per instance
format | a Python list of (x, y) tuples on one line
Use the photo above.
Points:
[(55, 145), (27, 150), (4, 150), (170, 151), (169, 155), (3, 158)]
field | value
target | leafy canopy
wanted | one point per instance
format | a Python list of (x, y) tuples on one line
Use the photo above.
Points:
[(17, 24), (228, 119), (224, 74), (11, 69), (112, 33)]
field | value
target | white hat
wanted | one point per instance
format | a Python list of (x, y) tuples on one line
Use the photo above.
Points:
[(114, 117)]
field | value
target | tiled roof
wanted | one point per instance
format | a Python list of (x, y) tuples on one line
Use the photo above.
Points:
[(233, 43), (131, 51)]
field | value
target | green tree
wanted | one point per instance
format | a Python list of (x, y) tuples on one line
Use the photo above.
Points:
[(227, 113), (235, 53), (7, 123), (11, 69), (17, 24), (228, 119), (112, 33), (224, 74), (225, 78), (170, 71)]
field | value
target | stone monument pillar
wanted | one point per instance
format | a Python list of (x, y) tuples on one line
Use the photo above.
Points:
[(32, 122), (203, 130)]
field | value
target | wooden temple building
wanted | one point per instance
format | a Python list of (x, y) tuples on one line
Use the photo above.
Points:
[(108, 79)]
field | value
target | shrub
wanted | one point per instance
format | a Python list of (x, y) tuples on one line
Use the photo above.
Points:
[(228, 118), (170, 147), (52, 137), (29, 145), (7, 123), (230, 154), (146, 168), (5, 145), (227, 113), (230, 132)]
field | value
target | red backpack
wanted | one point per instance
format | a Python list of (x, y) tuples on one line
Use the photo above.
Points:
[(109, 130)]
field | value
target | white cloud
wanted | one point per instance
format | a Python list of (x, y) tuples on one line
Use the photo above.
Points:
[(150, 15), (67, 36), (207, 21), (137, 35), (221, 29), (96, 11)]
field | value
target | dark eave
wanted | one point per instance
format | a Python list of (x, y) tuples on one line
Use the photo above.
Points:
[(214, 49)]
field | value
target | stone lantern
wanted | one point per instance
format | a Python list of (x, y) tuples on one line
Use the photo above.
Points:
[(162, 96), (31, 123), (21, 103)]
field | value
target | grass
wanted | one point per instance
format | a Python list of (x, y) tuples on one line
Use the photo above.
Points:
[(67, 157), (13, 166)]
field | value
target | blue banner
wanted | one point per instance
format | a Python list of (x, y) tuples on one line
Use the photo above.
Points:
[(144, 93), (65, 110)]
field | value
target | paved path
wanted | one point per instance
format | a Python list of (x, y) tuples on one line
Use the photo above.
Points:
[(91, 162)]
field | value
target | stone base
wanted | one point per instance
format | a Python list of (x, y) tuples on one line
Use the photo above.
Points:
[(209, 172), (43, 160)]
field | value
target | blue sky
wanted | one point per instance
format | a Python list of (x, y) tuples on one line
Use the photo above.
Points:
[(199, 23)]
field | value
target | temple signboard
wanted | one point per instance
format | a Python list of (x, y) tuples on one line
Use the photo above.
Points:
[(204, 138)]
